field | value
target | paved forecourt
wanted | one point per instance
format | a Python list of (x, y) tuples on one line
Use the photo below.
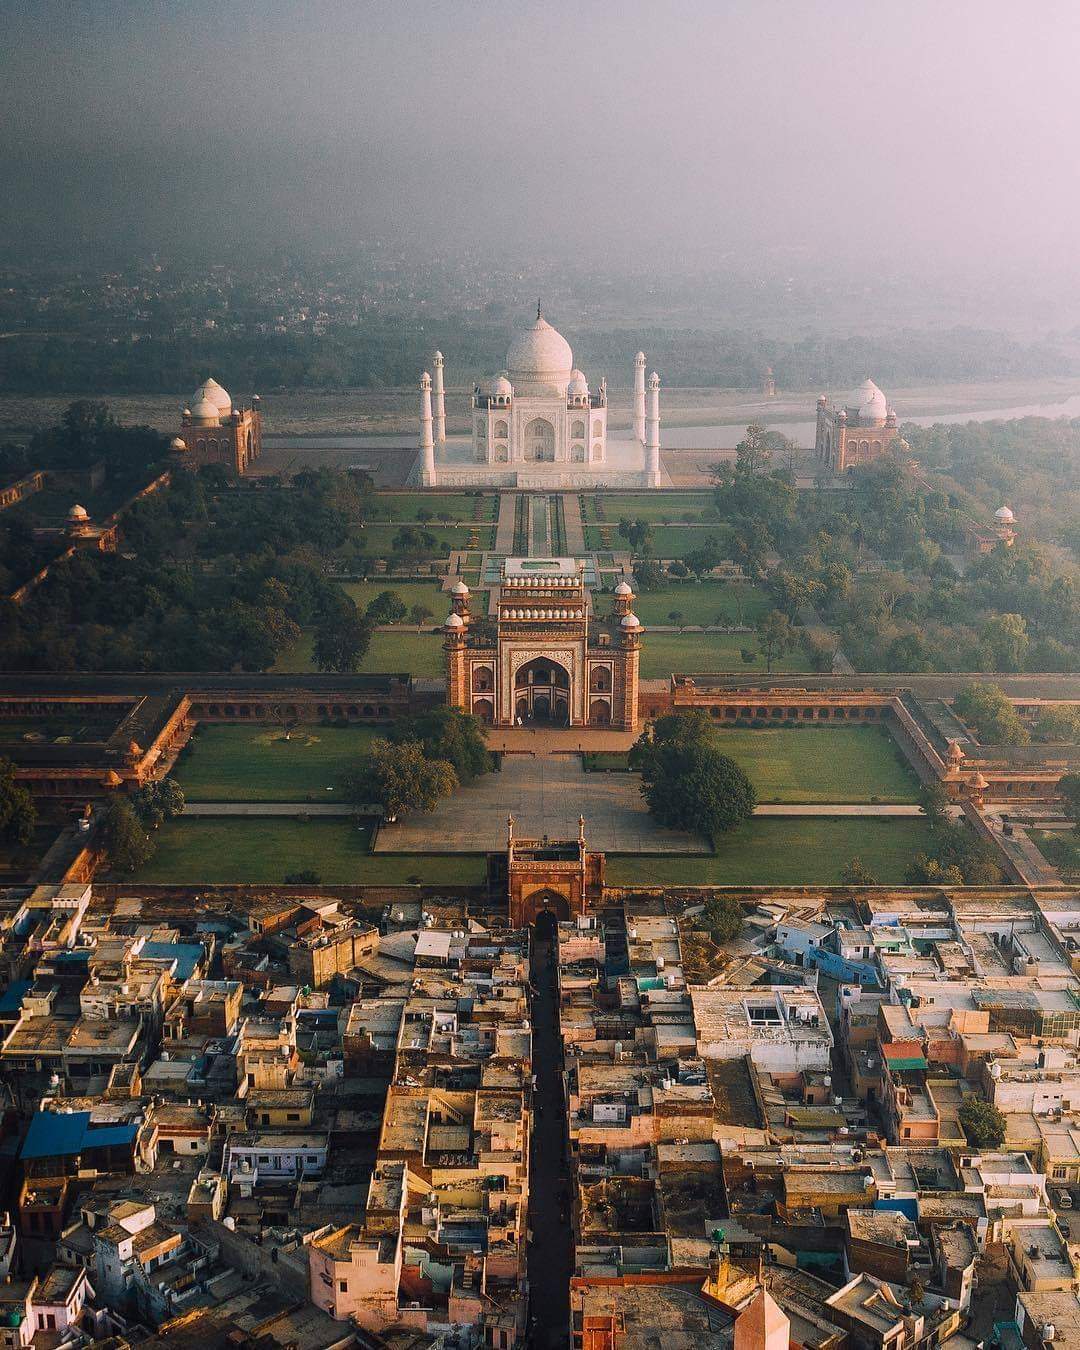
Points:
[(546, 795)]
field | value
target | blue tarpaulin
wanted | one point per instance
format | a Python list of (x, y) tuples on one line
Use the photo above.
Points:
[(56, 1134)]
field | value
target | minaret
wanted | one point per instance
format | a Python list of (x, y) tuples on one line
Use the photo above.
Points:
[(427, 442), (440, 401), (639, 397), (652, 433)]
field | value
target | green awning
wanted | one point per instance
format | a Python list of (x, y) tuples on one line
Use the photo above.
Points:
[(913, 1062)]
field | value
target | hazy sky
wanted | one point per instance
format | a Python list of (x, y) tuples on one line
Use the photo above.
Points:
[(859, 129)]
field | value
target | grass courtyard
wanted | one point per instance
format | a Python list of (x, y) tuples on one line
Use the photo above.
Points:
[(430, 594), (784, 851), (257, 764), (378, 539), (237, 851), (459, 506), (396, 653), (707, 653), (1061, 849), (706, 602), (668, 541), (655, 507), (830, 765)]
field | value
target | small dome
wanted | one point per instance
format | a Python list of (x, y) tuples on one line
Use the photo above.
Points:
[(869, 402), (1004, 515), (630, 621), (78, 513), (455, 621), (459, 588), (540, 353), (578, 383), (178, 445), (623, 588), (206, 412), (500, 386), (213, 393)]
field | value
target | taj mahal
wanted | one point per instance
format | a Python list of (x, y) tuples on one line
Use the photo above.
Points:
[(539, 424)]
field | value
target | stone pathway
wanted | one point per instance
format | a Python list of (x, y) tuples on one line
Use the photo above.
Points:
[(504, 529), (546, 796), (573, 525)]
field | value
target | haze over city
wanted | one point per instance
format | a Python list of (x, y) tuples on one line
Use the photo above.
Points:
[(915, 137)]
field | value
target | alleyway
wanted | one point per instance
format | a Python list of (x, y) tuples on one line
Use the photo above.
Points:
[(549, 1219)]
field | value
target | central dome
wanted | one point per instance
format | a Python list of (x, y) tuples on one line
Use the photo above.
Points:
[(541, 354), (870, 402)]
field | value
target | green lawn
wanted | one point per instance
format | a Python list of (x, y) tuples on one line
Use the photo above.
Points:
[(401, 506), (236, 851), (427, 593), (1061, 849), (668, 541), (778, 851), (378, 539), (651, 506), (828, 765), (705, 602), (394, 653), (706, 654), (257, 764)]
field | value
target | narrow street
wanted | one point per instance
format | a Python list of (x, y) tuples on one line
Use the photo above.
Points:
[(549, 1219)]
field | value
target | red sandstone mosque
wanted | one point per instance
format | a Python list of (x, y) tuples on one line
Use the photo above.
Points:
[(860, 432), (214, 431)]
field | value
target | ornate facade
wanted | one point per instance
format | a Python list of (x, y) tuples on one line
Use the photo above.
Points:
[(213, 431), (858, 433), (538, 422), (551, 661)]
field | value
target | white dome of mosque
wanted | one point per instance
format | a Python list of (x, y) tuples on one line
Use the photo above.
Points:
[(455, 621), (578, 383), (78, 512), (624, 589), (205, 411), (1005, 515), (870, 402), (459, 588), (630, 621), (177, 444), (213, 393), (500, 386), (540, 353)]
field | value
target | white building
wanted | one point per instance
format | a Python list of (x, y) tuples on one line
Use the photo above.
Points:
[(539, 423)]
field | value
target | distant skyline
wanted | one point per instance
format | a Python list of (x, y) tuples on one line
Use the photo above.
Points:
[(906, 133)]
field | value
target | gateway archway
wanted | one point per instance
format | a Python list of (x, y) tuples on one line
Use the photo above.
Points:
[(542, 689)]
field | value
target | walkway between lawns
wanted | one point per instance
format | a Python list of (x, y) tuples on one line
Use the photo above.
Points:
[(341, 809), (504, 530), (573, 525)]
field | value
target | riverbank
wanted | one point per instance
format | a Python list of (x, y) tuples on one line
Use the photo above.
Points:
[(302, 414)]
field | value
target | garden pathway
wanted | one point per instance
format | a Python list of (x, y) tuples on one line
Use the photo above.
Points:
[(504, 530), (573, 525)]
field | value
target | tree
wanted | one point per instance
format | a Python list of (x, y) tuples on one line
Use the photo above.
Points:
[(982, 1122), (401, 778), (451, 735), (123, 836), (675, 618), (789, 592), (649, 575), (637, 533), (776, 637), (934, 801), (1005, 638), (856, 873), (18, 815), (420, 615), (1069, 787), (990, 712), (702, 559), (687, 781), (1059, 725), (387, 607), (158, 802), (341, 642), (723, 916)]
